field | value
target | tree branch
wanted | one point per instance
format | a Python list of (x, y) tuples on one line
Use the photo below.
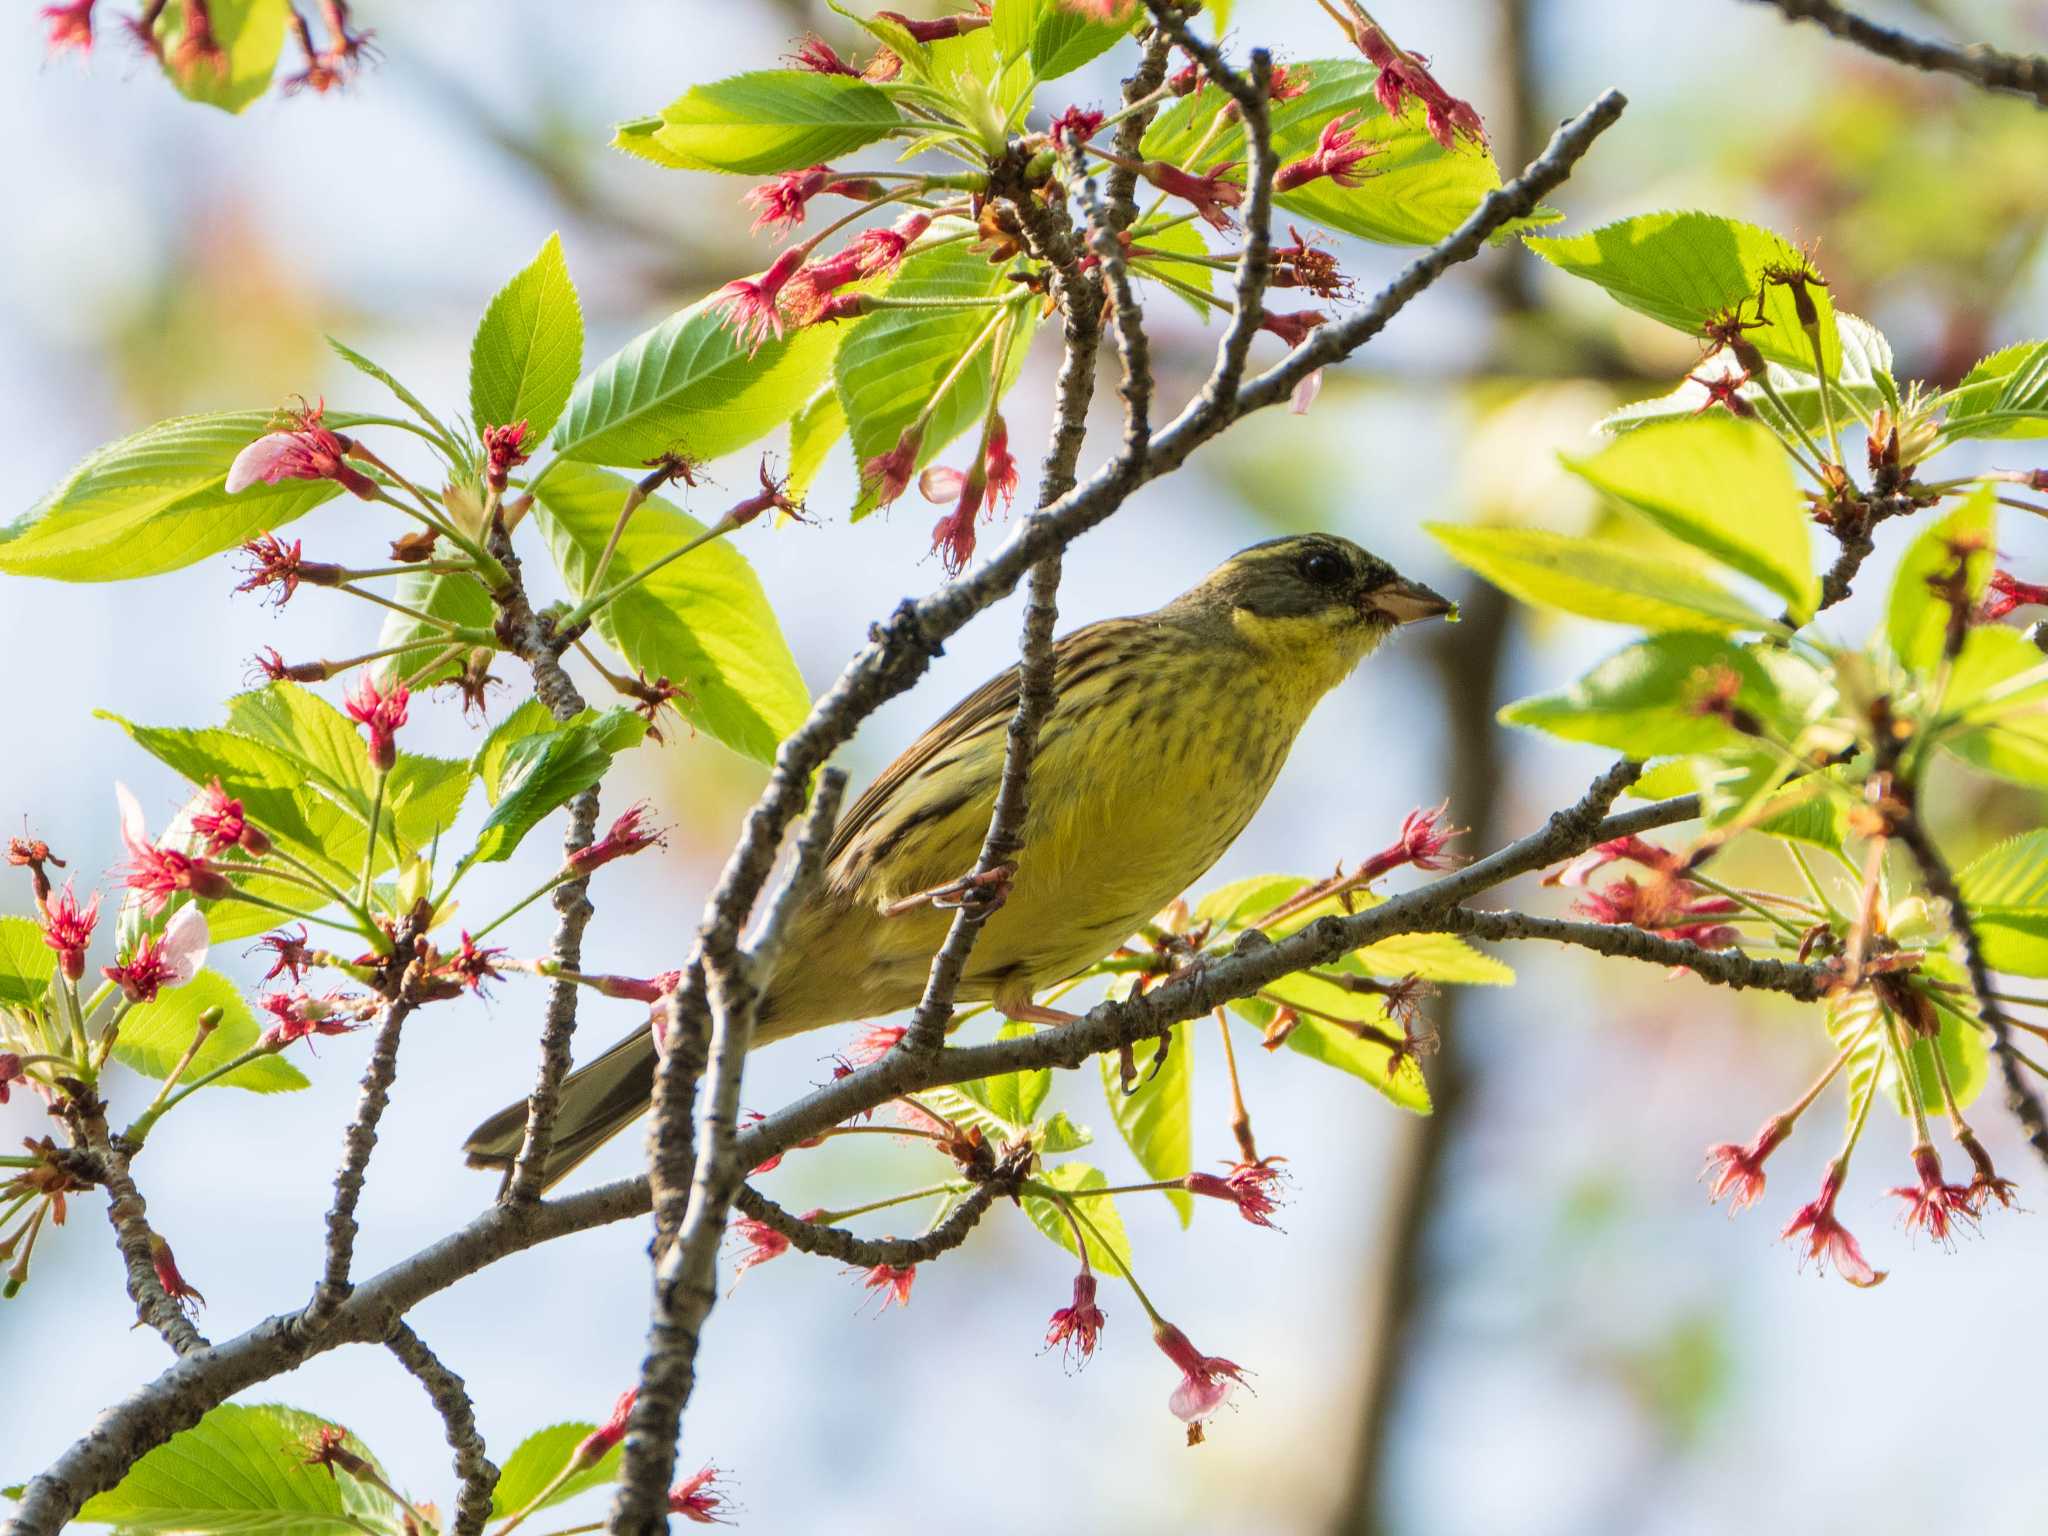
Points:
[(686, 1273), (534, 643), (358, 1142), (2007, 73), (1729, 968), (451, 1399), (128, 1214), (867, 1252)]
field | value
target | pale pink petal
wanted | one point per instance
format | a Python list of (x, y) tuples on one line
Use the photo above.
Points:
[(1198, 1397), (263, 460), (134, 829), (940, 485), (1305, 393), (185, 944)]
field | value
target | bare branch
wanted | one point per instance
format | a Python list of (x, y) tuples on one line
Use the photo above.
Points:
[(686, 1273), (458, 1416), (1729, 968), (537, 646), (358, 1142), (128, 1214), (2008, 73), (867, 1252)]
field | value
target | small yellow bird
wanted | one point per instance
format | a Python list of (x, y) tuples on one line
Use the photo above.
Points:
[(1168, 730)]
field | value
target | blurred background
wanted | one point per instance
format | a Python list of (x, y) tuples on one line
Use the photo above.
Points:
[(1520, 1314)]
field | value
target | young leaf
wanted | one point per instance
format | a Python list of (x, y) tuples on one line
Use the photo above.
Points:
[(528, 348), (156, 1034), (812, 432), (538, 774), (530, 718), (774, 120), (250, 36), (456, 596), (1723, 486), (687, 386), (1108, 1226), (1335, 1046), (1687, 269), (156, 502), (241, 1471), (1917, 618), (538, 1459), (1414, 191), (2000, 689), (399, 392), (701, 621), (1639, 700), (1597, 580), (1014, 1097), (1157, 1121), (26, 963), (2006, 395), (2006, 890), (1064, 38), (893, 363)]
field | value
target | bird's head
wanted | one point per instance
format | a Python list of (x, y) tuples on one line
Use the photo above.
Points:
[(1314, 599)]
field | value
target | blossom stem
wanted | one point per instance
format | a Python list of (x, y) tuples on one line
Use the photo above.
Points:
[(1827, 400), (147, 1120), (510, 912), (1909, 1080), (430, 567), (291, 912), (209, 1020), (439, 659), (1784, 925), (417, 615), (108, 1033), (370, 846), (423, 514), (1813, 884), (1107, 1249), (313, 877), (389, 650), (833, 1218), (1154, 1187), (1812, 466), (1240, 1117), (584, 611), (1142, 104)]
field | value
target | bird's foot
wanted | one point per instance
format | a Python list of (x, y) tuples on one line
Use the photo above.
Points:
[(978, 894), (1028, 1012)]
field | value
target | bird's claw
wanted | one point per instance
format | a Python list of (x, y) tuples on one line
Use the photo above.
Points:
[(978, 894)]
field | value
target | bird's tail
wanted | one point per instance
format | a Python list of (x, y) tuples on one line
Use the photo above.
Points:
[(598, 1101)]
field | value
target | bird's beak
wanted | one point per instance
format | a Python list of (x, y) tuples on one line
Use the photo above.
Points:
[(1402, 601)]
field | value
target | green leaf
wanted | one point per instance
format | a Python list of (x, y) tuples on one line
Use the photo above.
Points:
[(774, 120), (538, 775), (1686, 269), (488, 765), (687, 386), (156, 1034), (1865, 376), (1065, 38), (2006, 890), (404, 396), (701, 621), (27, 964), (1723, 486), (1639, 699), (1157, 1121), (1597, 580), (812, 432), (156, 502), (1181, 239), (639, 137), (528, 348), (538, 1459), (1059, 1134), (1335, 1046), (1416, 191), (2006, 395), (250, 35), (2000, 687), (1439, 957), (1100, 1210), (457, 597), (1916, 619), (893, 363), (1015, 1096), (241, 1471)]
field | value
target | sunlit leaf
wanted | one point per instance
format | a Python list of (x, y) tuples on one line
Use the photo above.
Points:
[(528, 348), (1597, 580), (154, 1035)]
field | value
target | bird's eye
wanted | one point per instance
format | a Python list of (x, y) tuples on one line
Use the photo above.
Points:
[(1324, 567)]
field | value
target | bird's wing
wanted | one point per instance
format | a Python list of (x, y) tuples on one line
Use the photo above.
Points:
[(990, 705)]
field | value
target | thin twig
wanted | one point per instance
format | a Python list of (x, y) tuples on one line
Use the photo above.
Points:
[(358, 1142), (1729, 968), (128, 1215), (867, 1252), (458, 1418), (2008, 73)]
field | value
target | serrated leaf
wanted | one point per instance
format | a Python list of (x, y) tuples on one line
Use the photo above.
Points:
[(1597, 580), (1107, 1225), (1865, 375), (2000, 687), (1059, 1134), (1916, 617), (2006, 890), (1065, 38), (403, 395), (241, 1471), (774, 120), (1723, 486), (1013, 1097), (154, 1035), (701, 621), (1639, 699), (1335, 1046), (528, 348), (27, 964), (250, 36), (538, 1459), (687, 386), (892, 363), (489, 763), (156, 502), (1157, 1121), (1415, 192), (1686, 269), (1437, 957), (539, 775), (2004, 396)]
